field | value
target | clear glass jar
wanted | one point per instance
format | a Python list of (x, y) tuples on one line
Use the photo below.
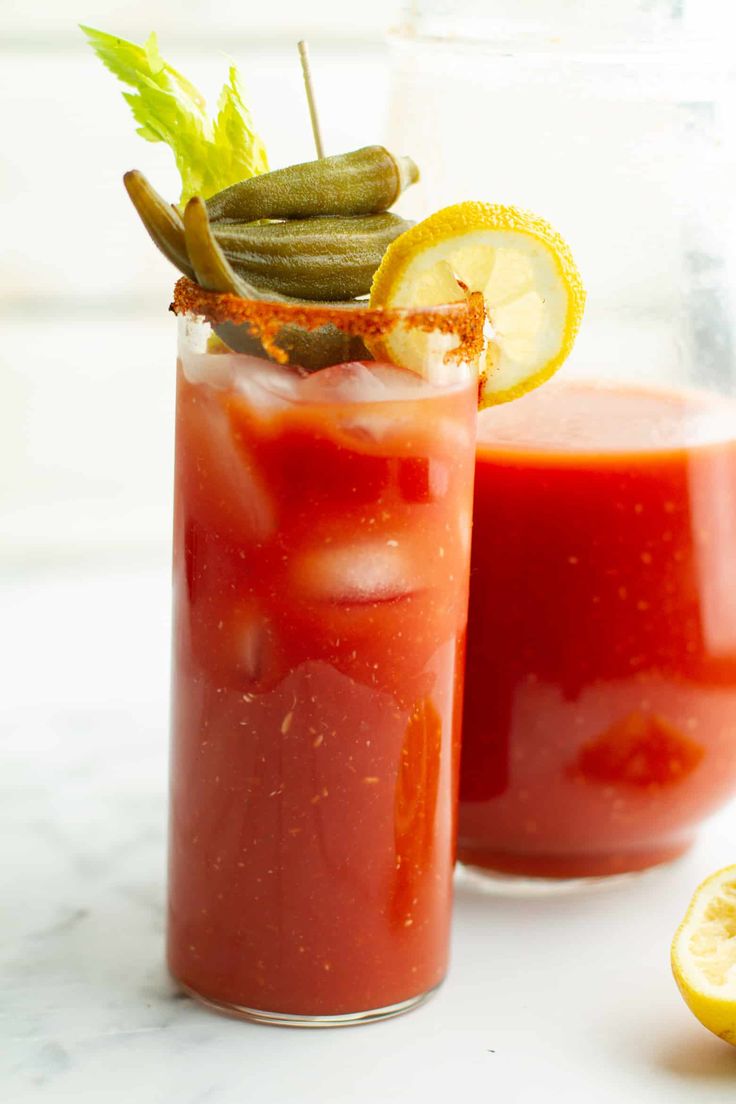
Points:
[(600, 712), (615, 123), (321, 555)]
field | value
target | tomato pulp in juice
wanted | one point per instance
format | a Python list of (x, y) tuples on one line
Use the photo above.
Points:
[(600, 707), (322, 541)]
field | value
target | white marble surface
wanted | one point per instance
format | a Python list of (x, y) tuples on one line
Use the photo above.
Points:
[(558, 1000)]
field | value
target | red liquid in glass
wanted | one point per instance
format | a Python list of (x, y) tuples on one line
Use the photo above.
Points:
[(600, 706), (321, 559)]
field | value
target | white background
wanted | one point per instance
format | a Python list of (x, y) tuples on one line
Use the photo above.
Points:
[(569, 1000)]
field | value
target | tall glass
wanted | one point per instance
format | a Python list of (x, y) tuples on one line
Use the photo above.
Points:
[(600, 712), (321, 556)]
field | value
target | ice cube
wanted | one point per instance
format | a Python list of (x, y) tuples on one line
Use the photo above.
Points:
[(266, 386), (227, 483), (263, 384), (253, 646), (215, 369), (465, 530), (423, 478), (365, 572), (439, 479), (361, 382), (366, 430)]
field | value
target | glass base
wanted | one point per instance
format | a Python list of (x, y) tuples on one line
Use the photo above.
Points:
[(505, 883), (286, 1019), (496, 884)]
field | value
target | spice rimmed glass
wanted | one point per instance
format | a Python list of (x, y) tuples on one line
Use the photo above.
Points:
[(321, 555)]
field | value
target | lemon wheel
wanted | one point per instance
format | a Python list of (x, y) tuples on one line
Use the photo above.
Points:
[(532, 289)]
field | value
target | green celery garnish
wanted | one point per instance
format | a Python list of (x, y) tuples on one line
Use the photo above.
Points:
[(210, 154)]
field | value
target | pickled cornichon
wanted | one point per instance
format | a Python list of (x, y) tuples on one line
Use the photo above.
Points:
[(363, 182), (212, 269), (161, 220), (325, 257), (314, 232), (318, 258), (310, 351)]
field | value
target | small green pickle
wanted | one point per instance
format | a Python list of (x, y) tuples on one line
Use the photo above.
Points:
[(363, 182), (324, 258), (161, 220), (213, 271), (332, 231)]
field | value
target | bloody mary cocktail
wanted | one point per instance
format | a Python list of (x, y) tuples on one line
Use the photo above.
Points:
[(332, 360), (600, 708), (322, 531)]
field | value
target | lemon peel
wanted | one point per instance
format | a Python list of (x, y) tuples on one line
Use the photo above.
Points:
[(703, 954)]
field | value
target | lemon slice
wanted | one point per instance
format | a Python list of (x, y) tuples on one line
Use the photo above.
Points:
[(533, 292), (704, 954)]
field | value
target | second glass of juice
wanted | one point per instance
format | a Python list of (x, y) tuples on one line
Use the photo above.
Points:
[(603, 601), (600, 712), (321, 555)]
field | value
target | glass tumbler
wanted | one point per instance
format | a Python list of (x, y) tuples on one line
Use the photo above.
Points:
[(321, 558), (600, 705)]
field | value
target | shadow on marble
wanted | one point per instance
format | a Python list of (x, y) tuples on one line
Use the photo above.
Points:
[(699, 1058)]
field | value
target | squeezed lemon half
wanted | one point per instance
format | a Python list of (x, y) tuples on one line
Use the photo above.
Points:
[(523, 268), (704, 954)]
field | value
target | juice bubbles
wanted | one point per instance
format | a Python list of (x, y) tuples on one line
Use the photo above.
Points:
[(322, 531), (600, 709)]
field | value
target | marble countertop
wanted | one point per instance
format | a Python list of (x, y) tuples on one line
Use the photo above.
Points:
[(568, 998)]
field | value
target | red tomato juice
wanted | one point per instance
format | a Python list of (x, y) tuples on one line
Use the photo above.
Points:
[(600, 707), (320, 570)]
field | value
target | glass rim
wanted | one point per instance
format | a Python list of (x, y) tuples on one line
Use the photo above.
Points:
[(265, 318)]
